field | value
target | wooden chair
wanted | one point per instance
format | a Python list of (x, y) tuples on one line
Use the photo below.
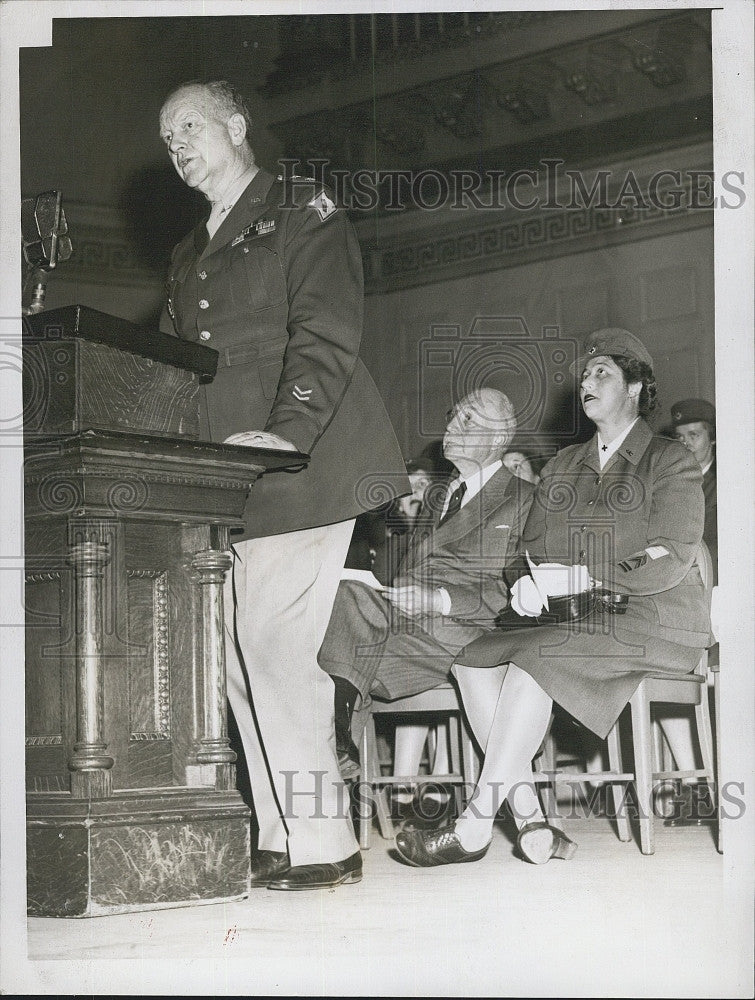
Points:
[(716, 673), (374, 785), (684, 689)]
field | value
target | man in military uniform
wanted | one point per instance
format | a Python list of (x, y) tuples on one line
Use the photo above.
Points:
[(694, 423), (273, 281)]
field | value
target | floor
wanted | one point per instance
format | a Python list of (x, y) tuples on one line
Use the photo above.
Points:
[(611, 922)]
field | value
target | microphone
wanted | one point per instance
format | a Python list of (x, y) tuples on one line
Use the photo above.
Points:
[(44, 239)]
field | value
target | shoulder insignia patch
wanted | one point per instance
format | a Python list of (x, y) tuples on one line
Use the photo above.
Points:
[(323, 205)]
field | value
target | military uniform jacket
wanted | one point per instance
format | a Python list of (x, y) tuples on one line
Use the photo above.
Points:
[(636, 525), (278, 292)]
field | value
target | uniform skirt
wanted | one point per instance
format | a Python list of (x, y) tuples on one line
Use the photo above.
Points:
[(591, 667)]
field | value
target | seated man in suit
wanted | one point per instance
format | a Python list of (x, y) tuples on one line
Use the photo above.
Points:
[(402, 640)]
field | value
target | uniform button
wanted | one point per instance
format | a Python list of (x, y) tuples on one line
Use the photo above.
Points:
[(582, 554), (246, 249), (583, 527), (202, 275), (598, 480), (204, 304), (205, 335), (590, 503)]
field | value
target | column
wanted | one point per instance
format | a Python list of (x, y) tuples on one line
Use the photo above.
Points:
[(214, 747), (90, 766)]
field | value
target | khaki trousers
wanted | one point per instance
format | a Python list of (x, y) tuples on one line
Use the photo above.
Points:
[(278, 601)]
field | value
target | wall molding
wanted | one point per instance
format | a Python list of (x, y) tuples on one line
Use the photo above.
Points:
[(473, 241)]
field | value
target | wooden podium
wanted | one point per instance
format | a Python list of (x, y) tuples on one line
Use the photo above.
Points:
[(131, 797)]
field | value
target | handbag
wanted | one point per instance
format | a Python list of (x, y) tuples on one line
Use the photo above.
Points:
[(570, 608)]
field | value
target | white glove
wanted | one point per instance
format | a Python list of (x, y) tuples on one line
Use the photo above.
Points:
[(558, 580), (525, 599)]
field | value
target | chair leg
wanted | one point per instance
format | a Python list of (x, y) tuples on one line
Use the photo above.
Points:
[(387, 831), (545, 763), (451, 731), (377, 793), (615, 763), (705, 739), (469, 761), (642, 738), (548, 756), (660, 747), (717, 710), (366, 792)]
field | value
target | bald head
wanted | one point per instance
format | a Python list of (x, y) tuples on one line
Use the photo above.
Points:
[(220, 97), (479, 429)]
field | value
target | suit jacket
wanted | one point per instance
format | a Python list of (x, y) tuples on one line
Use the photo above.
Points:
[(648, 496), (466, 554), (278, 291)]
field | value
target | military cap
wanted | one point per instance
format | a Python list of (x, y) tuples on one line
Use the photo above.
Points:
[(690, 411), (611, 341)]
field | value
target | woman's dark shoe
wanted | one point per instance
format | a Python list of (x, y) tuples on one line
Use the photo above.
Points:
[(539, 842), (267, 865), (320, 876), (428, 848)]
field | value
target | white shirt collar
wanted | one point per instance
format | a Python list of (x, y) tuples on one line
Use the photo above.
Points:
[(474, 483), (607, 451), (706, 467), (221, 208)]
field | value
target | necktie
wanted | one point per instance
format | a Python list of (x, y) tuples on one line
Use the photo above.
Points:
[(454, 503)]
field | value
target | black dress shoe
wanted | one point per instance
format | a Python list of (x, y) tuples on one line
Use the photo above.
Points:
[(425, 813), (319, 876), (266, 865), (539, 842), (428, 848)]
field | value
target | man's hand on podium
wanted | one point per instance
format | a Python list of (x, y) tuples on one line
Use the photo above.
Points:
[(260, 439)]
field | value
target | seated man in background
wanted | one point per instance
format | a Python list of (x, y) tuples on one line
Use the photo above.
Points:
[(694, 423), (381, 536), (521, 465), (402, 640)]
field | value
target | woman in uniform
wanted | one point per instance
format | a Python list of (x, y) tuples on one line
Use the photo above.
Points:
[(627, 508)]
